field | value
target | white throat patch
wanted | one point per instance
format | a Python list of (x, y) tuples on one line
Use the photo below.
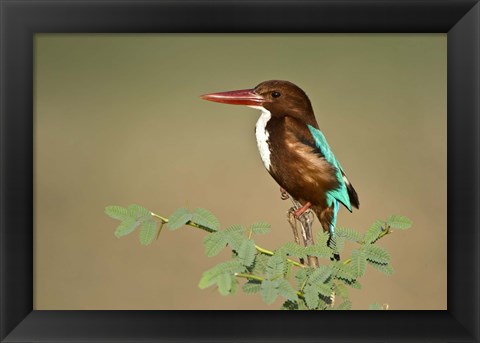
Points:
[(261, 134)]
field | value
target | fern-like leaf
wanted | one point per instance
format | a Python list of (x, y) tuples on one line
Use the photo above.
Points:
[(376, 254), (269, 291), (117, 212), (179, 218), (348, 234), (147, 232), (319, 250), (139, 212), (374, 232), (399, 222), (205, 218), (260, 264), (234, 236), (214, 243), (252, 286), (246, 252), (210, 276), (286, 290), (293, 249), (275, 267), (320, 275), (127, 226), (343, 271), (290, 305), (311, 297), (224, 283), (260, 228), (359, 262)]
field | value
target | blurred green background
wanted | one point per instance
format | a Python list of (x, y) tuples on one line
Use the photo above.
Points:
[(118, 121)]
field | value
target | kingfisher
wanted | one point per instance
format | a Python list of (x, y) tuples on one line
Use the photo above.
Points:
[(294, 150)]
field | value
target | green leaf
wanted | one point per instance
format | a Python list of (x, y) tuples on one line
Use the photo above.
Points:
[(224, 283), (252, 286), (399, 222), (348, 234), (375, 307), (205, 218), (234, 236), (343, 271), (320, 275), (147, 233), (214, 243), (234, 287), (260, 264), (346, 305), (341, 290), (246, 252), (301, 276), (139, 212), (269, 291), (322, 238), (260, 228), (286, 290), (179, 218), (117, 212), (127, 226), (293, 249), (275, 267), (290, 305), (319, 250), (210, 276), (376, 254), (374, 232), (311, 297), (323, 289), (359, 262), (337, 243)]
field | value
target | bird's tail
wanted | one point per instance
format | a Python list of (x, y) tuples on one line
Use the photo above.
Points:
[(328, 219)]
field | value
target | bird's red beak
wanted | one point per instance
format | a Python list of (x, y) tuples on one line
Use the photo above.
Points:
[(241, 97)]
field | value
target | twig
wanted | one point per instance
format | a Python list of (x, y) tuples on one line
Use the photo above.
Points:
[(261, 250)]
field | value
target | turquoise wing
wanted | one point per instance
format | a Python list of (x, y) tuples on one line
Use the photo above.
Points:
[(339, 194)]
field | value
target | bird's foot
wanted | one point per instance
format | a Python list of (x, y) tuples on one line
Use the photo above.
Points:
[(283, 194), (302, 209)]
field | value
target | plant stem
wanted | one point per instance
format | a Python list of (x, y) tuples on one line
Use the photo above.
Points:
[(198, 226)]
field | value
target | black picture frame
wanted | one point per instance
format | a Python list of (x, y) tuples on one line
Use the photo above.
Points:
[(20, 20)]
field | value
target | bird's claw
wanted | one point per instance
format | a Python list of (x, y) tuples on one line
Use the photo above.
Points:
[(283, 194)]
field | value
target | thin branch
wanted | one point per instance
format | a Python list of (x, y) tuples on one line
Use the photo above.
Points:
[(264, 251)]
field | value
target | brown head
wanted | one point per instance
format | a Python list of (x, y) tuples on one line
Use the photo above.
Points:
[(280, 98)]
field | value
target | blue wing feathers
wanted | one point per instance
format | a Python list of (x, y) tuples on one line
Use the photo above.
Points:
[(341, 193)]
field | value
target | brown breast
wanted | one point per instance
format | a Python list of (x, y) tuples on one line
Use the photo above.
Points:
[(295, 163)]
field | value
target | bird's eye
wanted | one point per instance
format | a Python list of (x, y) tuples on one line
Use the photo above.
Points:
[(275, 94)]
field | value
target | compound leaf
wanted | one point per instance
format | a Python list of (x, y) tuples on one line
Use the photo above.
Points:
[(399, 222), (127, 226), (246, 252), (205, 218), (147, 233), (269, 291), (376, 254), (260, 228), (117, 212), (214, 243), (179, 218)]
